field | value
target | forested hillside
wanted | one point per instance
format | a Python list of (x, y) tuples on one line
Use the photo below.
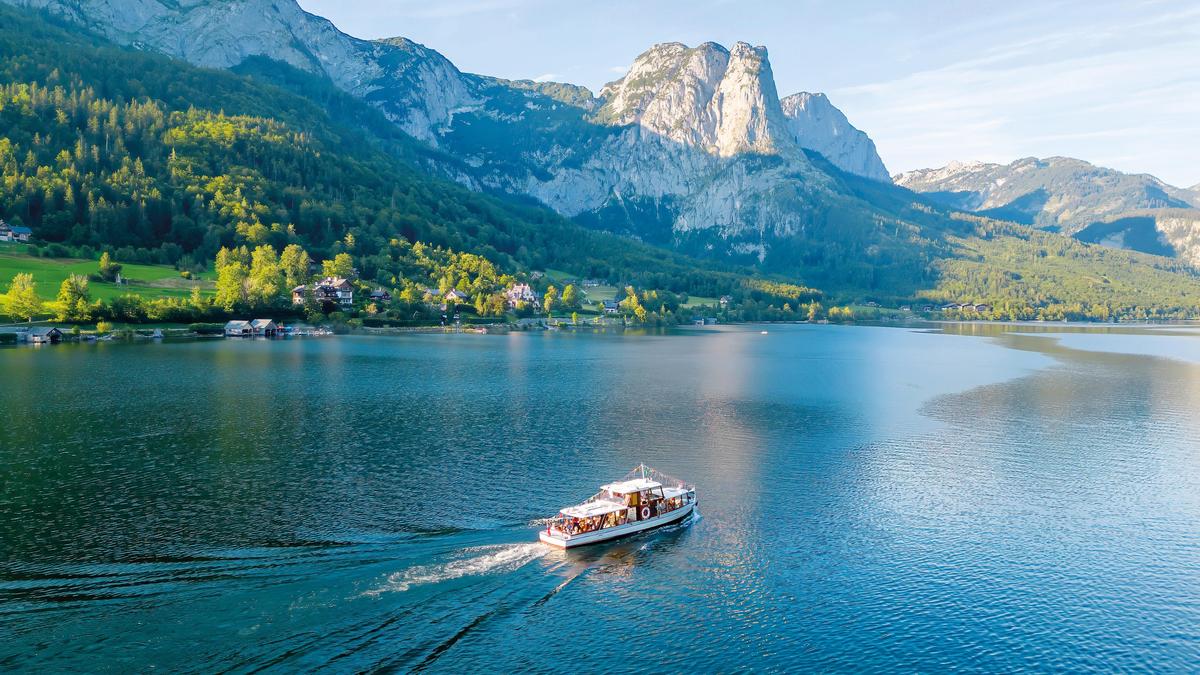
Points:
[(155, 161), (164, 162)]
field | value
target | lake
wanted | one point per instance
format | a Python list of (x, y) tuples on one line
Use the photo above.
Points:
[(984, 498)]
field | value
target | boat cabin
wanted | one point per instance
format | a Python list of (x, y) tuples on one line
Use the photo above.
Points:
[(621, 503)]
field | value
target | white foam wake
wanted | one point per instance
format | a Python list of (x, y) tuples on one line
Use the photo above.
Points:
[(496, 558)]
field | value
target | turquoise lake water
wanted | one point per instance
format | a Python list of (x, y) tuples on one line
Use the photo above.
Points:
[(871, 499)]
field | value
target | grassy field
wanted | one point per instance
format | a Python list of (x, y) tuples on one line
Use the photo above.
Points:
[(148, 281), (697, 301), (600, 293)]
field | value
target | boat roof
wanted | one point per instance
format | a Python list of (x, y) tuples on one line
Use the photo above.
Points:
[(632, 485), (593, 508)]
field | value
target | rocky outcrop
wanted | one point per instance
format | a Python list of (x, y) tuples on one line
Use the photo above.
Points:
[(722, 101), (691, 143), (816, 124)]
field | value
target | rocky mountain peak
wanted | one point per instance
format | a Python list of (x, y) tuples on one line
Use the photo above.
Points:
[(721, 100), (816, 124), (421, 87)]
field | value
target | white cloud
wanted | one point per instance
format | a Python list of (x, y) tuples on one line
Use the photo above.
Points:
[(1122, 94), (546, 77)]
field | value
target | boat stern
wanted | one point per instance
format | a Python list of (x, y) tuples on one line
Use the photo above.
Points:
[(547, 537)]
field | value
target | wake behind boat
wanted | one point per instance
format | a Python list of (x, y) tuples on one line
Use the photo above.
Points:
[(644, 499)]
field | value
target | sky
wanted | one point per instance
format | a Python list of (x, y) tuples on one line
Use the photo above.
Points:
[(1113, 83)]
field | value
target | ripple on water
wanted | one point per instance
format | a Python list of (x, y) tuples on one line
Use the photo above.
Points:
[(873, 500)]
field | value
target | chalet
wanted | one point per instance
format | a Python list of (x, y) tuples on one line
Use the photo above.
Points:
[(454, 295), (238, 328), (5, 232), (334, 290), (981, 307), (611, 307), (265, 328), (380, 295), (519, 293), (42, 335), (725, 300), (21, 233)]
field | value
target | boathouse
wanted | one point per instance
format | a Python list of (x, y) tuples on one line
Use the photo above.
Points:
[(238, 328), (43, 335), (265, 328)]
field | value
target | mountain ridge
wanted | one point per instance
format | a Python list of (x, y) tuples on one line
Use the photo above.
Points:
[(818, 125), (1095, 204), (724, 176)]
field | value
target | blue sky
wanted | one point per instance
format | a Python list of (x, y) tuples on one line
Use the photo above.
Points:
[(1115, 83)]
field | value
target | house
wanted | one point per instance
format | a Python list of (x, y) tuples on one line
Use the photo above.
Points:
[(725, 300), (5, 232), (872, 303), (611, 307), (42, 335), (454, 295), (951, 307), (981, 307), (238, 328), (265, 328), (380, 295), (21, 233), (337, 290), (520, 293), (334, 290), (592, 283)]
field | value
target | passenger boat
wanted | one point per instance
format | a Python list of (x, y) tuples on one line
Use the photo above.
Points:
[(642, 500)]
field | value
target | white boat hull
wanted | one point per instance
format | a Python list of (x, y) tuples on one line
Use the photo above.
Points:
[(607, 533)]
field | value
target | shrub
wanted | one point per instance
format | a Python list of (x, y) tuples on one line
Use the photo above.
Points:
[(206, 328)]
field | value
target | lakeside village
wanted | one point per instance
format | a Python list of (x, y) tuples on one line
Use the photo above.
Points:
[(263, 294)]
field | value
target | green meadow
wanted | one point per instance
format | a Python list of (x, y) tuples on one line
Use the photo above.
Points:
[(148, 281)]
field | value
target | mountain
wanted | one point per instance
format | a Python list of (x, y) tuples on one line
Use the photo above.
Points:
[(160, 161), (417, 88), (817, 125), (1092, 203), (690, 149), (351, 142)]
